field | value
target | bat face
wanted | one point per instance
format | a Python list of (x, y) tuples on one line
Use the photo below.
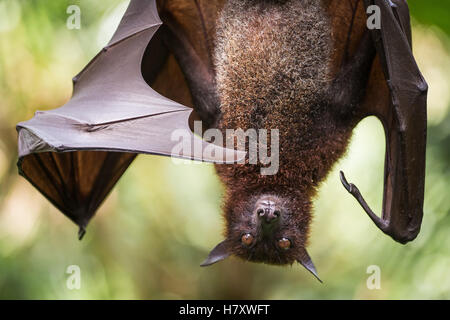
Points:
[(263, 229)]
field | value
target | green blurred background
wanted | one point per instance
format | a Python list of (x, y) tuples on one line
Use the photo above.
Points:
[(161, 220)]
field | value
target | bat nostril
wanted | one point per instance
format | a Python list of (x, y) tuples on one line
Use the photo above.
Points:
[(260, 212), (272, 217)]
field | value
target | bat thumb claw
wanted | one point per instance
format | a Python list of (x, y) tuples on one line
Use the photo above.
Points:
[(345, 182)]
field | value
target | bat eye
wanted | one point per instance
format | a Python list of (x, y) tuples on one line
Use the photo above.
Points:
[(284, 243), (247, 239)]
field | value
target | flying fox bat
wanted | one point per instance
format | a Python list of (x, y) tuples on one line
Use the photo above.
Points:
[(310, 69)]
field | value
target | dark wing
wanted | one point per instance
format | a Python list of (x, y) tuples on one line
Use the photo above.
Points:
[(188, 32), (75, 154), (396, 94)]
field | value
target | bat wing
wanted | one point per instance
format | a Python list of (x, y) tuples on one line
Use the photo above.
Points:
[(397, 94), (188, 32), (74, 155)]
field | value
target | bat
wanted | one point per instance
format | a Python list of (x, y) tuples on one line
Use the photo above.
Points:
[(309, 69)]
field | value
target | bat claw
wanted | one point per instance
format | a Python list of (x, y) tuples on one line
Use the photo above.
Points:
[(345, 183), (354, 191), (351, 188), (81, 233)]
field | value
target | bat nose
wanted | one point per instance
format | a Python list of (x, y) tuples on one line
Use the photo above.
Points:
[(268, 214)]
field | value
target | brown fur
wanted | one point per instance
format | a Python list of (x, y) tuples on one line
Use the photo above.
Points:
[(273, 62)]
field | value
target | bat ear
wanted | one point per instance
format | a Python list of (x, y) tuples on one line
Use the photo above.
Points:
[(219, 253), (305, 260)]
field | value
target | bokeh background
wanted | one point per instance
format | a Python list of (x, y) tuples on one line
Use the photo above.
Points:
[(161, 220)]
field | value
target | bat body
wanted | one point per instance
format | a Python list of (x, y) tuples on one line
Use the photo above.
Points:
[(281, 53), (309, 69)]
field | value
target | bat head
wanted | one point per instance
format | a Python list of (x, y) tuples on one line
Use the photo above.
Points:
[(269, 228)]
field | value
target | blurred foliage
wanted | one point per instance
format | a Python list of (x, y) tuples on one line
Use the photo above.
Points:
[(432, 13), (159, 223)]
